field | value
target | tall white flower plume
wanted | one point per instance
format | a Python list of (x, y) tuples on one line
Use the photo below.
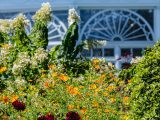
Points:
[(20, 21), (44, 13), (73, 16), (5, 25)]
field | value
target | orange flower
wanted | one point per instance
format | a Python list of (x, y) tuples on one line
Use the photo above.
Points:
[(63, 77), (83, 110), (111, 75), (70, 107), (81, 86), (46, 84), (14, 98), (92, 86), (73, 90), (97, 67), (107, 110), (126, 100), (129, 81), (5, 99), (103, 76), (98, 81)]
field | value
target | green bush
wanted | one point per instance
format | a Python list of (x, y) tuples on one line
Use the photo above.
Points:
[(145, 96)]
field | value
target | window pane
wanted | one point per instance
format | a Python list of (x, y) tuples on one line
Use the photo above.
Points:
[(137, 52), (108, 52), (125, 51), (86, 53), (97, 52)]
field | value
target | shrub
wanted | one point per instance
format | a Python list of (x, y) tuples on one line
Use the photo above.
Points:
[(145, 97)]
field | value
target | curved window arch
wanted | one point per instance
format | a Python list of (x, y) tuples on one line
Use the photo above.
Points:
[(117, 25)]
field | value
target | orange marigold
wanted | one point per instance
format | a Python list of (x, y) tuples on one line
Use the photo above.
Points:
[(73, 90), (70, 107), (83, 110), (126, 100), (46, 84), (107, 110), (97, 67), (5, 99), (14, 98), (63, 77)]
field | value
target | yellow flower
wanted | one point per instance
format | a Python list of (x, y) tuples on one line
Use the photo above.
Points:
[(52, 66), (105, 94), (103, 76), (3, 69), (14, 98), (97, 89), (125, 117), (113, 100), (92, 86), (110, 88), (95, 104), (54, 74), (63, 77), (43, 75), (70, 107), (32, 87), (87, 94), (83, 110), (115, 79), (95, 61)]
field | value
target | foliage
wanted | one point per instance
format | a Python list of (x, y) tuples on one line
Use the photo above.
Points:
[(98, 94), (35, 85), (145, 97)]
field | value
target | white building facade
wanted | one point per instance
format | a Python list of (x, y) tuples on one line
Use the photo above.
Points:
[(128, 26)]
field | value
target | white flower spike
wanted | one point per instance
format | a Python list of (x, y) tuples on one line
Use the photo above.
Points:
[(73, 16)]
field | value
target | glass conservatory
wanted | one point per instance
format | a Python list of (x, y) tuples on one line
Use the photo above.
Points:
[(128, 26)]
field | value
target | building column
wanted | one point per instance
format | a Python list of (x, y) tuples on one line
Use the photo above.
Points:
[(117, 55), (157, 23)]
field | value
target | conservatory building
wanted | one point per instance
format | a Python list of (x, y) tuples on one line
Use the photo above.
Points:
[(128, 26)]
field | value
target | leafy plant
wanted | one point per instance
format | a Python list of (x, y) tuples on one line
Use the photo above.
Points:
[(145, 97)]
